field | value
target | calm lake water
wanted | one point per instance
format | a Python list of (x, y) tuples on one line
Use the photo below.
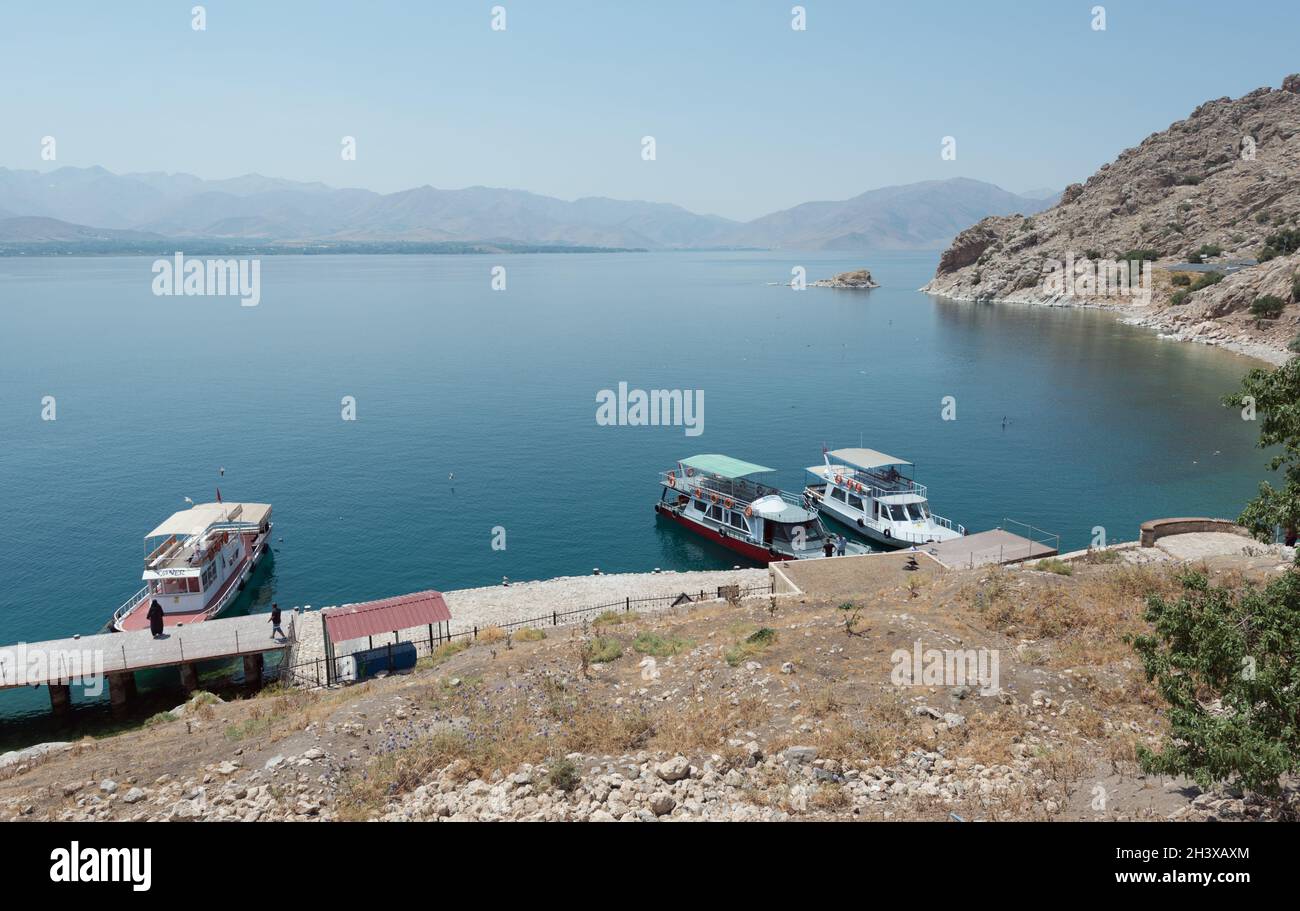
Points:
[(1108, 425)]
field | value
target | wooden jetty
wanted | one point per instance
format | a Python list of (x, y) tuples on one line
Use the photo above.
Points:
[(58, 663)]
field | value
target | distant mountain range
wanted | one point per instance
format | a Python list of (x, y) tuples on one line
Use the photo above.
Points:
[(72, 205)]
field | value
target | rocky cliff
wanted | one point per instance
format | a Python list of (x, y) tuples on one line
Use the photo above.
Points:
[(1219, 191)]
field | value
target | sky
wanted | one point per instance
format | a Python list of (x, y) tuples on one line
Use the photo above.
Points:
[(748, 114)]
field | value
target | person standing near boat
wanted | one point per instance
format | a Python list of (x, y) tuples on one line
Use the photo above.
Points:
[(840, 543), (275, 620), (829, 547), (155, 616)]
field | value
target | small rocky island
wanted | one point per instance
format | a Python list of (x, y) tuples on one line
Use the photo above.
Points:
[(860, 278)]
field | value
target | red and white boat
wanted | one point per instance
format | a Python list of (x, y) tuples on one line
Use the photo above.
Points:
[(197, 562), (716, 497)]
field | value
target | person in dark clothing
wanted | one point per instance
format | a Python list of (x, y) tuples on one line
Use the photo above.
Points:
[(275, 621), (155, 616), (829, 547)]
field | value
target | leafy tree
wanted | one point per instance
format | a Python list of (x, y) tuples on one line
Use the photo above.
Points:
[(1274, 398), (1269, 306), (1228, 664)]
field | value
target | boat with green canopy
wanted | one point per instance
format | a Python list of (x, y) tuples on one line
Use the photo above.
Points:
[(720, 498)]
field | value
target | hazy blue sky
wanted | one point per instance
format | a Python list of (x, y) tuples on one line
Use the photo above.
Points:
[(749, 115)]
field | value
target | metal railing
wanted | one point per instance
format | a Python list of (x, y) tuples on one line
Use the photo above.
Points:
[(314, 672), (741, 492), (1046, 539), (131, 603)]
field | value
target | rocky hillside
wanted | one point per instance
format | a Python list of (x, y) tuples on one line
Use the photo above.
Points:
[(762, 709), (1221, 188)]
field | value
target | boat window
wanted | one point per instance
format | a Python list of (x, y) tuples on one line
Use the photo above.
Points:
[(915, 511), (715, 512), (925, 510), (701, 506), (738, 521), (837, 494), (897, 513), (855, 501)]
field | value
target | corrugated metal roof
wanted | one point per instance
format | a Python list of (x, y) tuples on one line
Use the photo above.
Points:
[(354, 621)]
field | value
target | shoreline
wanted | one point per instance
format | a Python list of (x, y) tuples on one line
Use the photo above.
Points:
[(1162, 328)]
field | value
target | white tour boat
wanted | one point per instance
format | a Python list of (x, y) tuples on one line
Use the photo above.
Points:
[(197, 562), (865, 490), (716, 497)]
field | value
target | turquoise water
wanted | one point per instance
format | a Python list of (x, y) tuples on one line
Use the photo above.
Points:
[(1108, 425)]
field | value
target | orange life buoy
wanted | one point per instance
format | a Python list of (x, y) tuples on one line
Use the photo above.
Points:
[(749, 511), (839, 479), (713, 494), (672, 479), (727, 502)]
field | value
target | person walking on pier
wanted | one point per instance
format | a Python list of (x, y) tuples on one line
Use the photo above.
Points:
[(155, 616), (275, 620)]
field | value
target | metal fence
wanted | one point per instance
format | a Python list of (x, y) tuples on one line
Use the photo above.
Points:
[(314, 673)]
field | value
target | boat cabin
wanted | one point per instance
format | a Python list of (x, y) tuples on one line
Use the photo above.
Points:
[(867, 490)]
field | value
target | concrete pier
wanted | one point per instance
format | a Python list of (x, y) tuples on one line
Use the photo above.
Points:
[(189, 677), (118, 656), (60, 698), (121, 690)]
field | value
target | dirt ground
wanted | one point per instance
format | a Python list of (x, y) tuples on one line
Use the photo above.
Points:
[(1056, 737)]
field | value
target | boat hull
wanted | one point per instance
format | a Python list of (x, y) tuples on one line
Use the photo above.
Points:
[(747, 550), (876, 536)]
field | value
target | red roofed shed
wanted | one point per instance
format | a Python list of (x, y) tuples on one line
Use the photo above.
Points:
[(390, 615)]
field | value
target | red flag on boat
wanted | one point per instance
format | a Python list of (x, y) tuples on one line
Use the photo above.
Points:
[(218, 494)]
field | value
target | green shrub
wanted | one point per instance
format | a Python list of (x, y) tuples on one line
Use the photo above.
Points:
[(1053, 565), (1142, 255), (603, 650), (1206, 280), (1295, 290), (1179, 297), (1181, 279), (1286, 241), (1201, 645), (1267, 307), (563, 774), (1207, 251), (751, 645), (530, 634), (659, 646)]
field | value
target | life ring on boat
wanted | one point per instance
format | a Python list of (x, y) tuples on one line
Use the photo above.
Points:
[(713, 495), (862, 523), (728, 502), (672, 479), (887, 533), (749, 511), (690, 472), (839, 479)]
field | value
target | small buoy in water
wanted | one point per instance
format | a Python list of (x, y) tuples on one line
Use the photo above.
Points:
[(223, 471), (656, 570), (595, 570)]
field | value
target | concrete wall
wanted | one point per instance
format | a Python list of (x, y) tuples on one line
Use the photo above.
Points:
[(1155, 529)]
